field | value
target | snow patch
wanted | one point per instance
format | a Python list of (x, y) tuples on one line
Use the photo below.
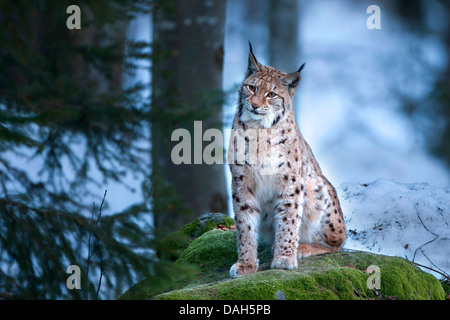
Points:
[(399, 219)]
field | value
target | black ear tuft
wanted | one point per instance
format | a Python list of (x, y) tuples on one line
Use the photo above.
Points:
[(301, 68), (253, 64)]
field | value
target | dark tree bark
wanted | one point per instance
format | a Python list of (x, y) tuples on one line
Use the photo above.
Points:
[(283, 35), (187, 86)]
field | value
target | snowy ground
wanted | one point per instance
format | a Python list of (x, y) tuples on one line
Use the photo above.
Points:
[(399, 219)]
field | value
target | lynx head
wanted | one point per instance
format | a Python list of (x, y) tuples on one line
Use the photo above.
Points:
[(265, 96)]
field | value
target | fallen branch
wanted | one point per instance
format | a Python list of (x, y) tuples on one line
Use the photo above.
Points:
[(434, 270)]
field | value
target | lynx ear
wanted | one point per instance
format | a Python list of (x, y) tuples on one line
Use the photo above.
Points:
[(292, 80), (253, 64)]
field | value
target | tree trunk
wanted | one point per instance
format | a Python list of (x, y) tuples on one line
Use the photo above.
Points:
[(283, 35), (187, 86)]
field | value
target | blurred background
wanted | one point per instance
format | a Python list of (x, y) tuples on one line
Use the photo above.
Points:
[(93, 109)]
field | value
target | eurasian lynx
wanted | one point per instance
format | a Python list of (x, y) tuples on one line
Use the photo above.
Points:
[(295, 206)]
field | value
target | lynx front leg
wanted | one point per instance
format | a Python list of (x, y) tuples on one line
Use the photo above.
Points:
[(246, 220), (287, 225), (246, 225)]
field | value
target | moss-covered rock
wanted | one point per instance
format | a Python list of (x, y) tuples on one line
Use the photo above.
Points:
[(173, 245), (214, 250), (170, 248), (340, 275), (446, 287)]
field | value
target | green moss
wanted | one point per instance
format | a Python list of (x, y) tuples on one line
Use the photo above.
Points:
[(331, 276), (208, 222), (402, 276), (446, 286), (340, 275), (173, 245), (215, 249), (190, 228)]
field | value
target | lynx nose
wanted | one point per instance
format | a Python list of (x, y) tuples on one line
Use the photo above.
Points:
[(255, 106)]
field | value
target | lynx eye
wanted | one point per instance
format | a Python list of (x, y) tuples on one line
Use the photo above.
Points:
[(271, 94), (251, 88)]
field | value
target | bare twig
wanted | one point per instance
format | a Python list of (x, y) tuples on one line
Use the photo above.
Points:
[(101, 206), (420, 247), (446, 275), (101, 268), (428, 242), (423, 224), (434, 270), (99, 247), (434, 234), (89, 252)]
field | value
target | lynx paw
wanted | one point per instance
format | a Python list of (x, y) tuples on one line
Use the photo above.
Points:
[(240, 269), (284, 262)]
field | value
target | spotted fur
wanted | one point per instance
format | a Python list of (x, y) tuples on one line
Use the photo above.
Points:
[(278, 189)]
